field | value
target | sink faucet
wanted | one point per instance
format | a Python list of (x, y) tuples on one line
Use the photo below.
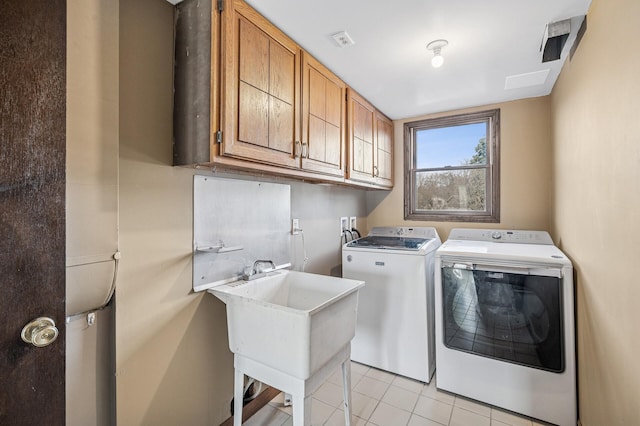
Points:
[(257, 272), (258, 262)]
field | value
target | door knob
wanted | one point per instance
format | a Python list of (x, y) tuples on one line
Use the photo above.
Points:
[(40, 332)]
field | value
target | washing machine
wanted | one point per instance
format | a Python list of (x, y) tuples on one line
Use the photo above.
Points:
[(505, 332), (395, 322)]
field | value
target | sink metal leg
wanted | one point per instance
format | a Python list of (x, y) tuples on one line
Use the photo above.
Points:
[(301, 409), (346, 390), (299, 390), (238, 397)]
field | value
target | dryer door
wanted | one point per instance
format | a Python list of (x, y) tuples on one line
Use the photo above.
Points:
[(507, 313)]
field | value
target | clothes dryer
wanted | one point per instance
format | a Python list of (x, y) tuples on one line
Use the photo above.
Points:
[(505, 322)]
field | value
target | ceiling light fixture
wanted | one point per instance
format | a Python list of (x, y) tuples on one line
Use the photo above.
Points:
[(436, 46)]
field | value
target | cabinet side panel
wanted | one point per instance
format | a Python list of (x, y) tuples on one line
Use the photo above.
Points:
[(192, 83)]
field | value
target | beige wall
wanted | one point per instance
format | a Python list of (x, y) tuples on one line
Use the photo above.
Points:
[(172, 360), (596, 206), (525, 156)]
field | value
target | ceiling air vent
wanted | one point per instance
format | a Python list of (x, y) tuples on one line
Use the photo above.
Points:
[(529, 79), (554, 39), (343, 39)]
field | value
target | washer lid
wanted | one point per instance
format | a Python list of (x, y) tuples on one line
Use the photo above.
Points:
[(390, 243)]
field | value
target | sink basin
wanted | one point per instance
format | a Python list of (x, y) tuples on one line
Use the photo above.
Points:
[(292, 321)]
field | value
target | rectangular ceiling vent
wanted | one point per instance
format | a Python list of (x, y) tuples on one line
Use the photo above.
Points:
[(554, 39), (343, 39), (529, 79)]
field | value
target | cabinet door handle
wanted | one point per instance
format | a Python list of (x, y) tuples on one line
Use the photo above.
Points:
[(305, 150), (296, 150), (376, 172)]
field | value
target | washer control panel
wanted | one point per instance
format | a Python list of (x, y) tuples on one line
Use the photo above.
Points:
[(404, 231)]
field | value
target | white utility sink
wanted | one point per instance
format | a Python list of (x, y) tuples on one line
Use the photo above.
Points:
[(294, 322)]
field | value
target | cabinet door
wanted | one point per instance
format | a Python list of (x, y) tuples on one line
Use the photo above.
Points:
[(260, 96), (361, 138), (323, 119), (383, 161)]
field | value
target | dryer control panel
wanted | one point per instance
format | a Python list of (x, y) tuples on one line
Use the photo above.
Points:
[(501, 236)]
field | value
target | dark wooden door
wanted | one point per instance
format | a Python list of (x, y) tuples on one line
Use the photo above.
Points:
[(32, 208)]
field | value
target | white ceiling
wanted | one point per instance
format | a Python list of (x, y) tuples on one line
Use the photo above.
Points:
[(489, 41)]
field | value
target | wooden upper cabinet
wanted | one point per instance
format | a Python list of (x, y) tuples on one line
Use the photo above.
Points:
[(383, 161), (247, 97), (370, 143), (323, 119), (260, 89)]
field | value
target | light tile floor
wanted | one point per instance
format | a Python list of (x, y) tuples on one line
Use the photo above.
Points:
[(380, 398)]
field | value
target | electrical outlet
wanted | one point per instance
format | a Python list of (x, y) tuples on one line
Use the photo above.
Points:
[(295, 226), (352, 223), (344, 224)]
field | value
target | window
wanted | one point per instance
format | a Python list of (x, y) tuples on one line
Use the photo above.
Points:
[(452, 168)]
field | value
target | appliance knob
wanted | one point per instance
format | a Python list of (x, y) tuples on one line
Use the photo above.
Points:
[(349, 258), (496, 235)]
